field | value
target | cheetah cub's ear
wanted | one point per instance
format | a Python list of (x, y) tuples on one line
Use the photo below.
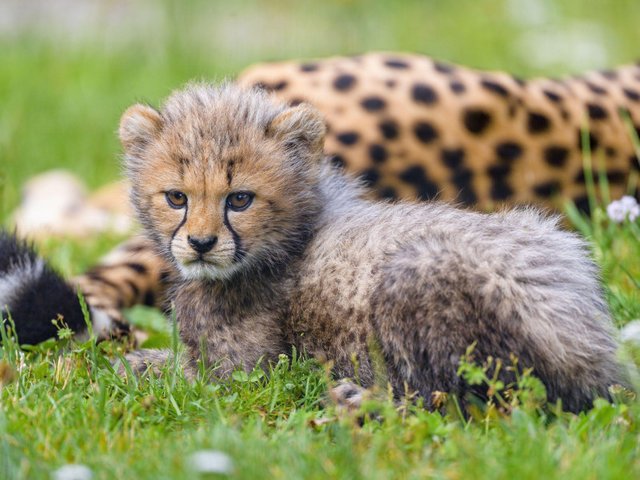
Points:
[(139, 125), (301, 129)]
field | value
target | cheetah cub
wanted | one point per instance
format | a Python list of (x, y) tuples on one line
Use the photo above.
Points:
[(273, 249)]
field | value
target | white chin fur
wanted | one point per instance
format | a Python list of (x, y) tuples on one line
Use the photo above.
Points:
[(206, 271)]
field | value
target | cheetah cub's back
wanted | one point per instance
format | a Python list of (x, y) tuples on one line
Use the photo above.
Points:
[(275, 249)]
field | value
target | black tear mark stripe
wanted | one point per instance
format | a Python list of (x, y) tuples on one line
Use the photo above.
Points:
[(240, 253), (182, 222)]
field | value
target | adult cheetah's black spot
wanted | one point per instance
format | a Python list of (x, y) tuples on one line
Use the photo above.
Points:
[(137, 267), (596, 112), (537, 123), (463, 177), (337, 161), (610, 151), (423, 93), (377, 153), (476, 120), (295, 101), (632, 95), (592, 140), (417, 177), (501, 191), (582, 204), (425, 132), (556, 156), (547, 189), (443, 67), (495, 87), (280, 85), (396, 63), (390, 83), (554, 97), (580, 177), (348, 138), (309, 67), (463, 180), (344, 82), (457, 87), (452, 158), (564, 114), (616, 177), (373, 104), (370, 177), (634, 162), (388, 193), (597, 89), (389, 129), (499, 172), (508, 151)]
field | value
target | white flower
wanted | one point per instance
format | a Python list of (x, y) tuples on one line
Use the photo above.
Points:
[(631, 332), (73, 472), (626, 207), (211, 461)]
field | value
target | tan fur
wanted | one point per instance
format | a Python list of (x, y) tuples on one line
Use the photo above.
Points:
[(506, 161), (311, 264)]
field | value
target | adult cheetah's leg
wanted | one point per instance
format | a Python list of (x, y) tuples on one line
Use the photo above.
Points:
[(129, 275)]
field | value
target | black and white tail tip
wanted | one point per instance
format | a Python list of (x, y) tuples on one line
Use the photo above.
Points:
[(34, 294)]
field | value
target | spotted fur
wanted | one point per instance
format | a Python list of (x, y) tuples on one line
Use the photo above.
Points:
[(132, 274), (412, 127), (311, 264)]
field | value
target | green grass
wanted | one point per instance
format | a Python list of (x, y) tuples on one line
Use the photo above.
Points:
[(61, 99)]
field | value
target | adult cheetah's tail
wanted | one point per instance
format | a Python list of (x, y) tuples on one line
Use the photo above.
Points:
[(33, 294)]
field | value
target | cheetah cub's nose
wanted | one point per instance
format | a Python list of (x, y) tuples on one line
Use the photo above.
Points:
[(202, 245)]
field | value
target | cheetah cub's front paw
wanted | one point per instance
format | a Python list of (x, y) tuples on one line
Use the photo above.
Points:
[(347, 395)]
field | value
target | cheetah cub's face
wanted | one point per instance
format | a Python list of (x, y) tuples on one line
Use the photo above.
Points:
[(223, 179)]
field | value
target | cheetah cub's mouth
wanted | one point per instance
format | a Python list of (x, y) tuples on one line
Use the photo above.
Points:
[(220, 262)]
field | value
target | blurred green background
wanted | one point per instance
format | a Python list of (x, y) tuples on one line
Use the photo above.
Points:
[(68, 68)]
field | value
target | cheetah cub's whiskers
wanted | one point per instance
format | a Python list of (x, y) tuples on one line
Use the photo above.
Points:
[(276, 250)]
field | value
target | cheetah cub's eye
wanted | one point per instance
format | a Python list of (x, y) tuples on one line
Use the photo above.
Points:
[(239, 201), (176, 199)]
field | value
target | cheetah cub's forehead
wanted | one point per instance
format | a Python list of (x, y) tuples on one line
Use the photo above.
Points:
[(203, 123), (225, 115)]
